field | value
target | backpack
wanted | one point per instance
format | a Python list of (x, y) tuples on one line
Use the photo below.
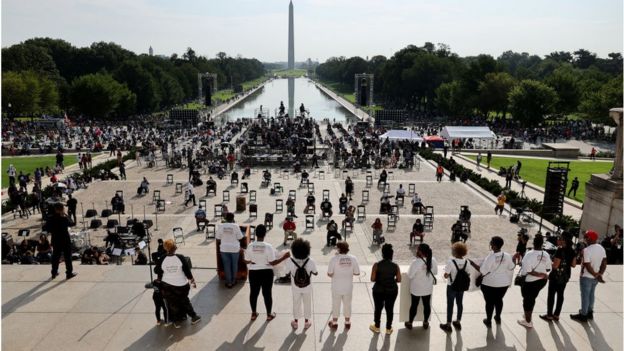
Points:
[(462, 279), (301, 277)]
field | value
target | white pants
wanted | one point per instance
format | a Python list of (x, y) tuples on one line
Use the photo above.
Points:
[(346, 305), (306, 299)]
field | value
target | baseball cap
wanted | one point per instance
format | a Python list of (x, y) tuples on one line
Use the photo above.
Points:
[(591, 235)]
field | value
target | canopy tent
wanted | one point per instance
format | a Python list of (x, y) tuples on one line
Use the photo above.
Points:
[(451, 132), (433, 138), (397, 134), (435, 141)]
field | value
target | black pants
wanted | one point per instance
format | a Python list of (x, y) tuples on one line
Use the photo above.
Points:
[(71, 214), (384, 301), (414, 307), (261, 279), (572, 190), (177, 301), (65, 250), (191, 197), (159, 303), (530, 292), (332, 238), (493, 300), (555, 289)]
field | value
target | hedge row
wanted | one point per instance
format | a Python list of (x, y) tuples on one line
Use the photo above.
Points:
[(564, 222)]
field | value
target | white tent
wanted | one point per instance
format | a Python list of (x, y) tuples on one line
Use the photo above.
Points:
[(450, 132), (397, 134)]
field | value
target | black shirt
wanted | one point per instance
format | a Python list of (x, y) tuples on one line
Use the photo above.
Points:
[(385, 281), (72, 203), (59, 228), (567, 256)]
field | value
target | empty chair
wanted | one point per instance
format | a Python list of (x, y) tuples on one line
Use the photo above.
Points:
[(303, 183), (218, 211), (292, 194), (155, 196), (394, 210), (361, 212), (252, 232), (211, 231), (169, 179), (369, 181), (234, 181), (91, 213), (112, 223), (309, 222), (202, 204), (348, 226), (392, 221), (178, 235), (310, 188), (325, 194), (390, 174), (428, 218), (365, 196), (160, 205), (411, 189), (226, 196), (321, 175), (285, 174), (345, 173), (277, 188), (106, 213), (279, 205), (178, 189), (253, 211), (400, 200), (252, 196)]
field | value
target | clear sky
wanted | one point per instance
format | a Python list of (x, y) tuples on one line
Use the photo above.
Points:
[(323, 28)]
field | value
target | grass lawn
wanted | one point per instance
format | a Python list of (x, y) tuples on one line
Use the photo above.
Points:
[(345, 91), (534, 171), (290, 73), (27, 164)]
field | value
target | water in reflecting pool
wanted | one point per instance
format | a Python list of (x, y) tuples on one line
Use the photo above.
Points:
[(293, 92)]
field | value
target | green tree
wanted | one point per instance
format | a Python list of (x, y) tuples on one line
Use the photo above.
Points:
[(530, 101), (450, 99), (141, 83), (595, 103), (99, 95), (494, 92), (29, 93), (565, 82)]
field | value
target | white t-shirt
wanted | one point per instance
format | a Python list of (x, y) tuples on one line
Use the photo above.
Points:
[(421, 283), (531, 263), (172, 271), (594, 254), (291, 268), (343, 267), (260, 253), (229, 234), (497, 269), (452, 271)]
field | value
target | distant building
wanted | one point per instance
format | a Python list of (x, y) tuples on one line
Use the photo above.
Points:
[(151, 51)]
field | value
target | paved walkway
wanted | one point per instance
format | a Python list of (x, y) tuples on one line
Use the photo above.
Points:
[(571, 208), (108, 308), (359, 113)]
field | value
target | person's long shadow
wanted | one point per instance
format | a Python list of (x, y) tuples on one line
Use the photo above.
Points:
[(595, 337), (459, 345), (293, 341), (533, 341), (566, 344), (239, 340), (27, 297), (333, 343), (161, 338), (496, 342), (375, 340)]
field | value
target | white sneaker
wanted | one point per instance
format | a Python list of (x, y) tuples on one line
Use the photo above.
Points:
[(524, 323)]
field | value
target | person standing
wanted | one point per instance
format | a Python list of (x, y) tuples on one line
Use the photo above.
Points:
[(574, 186), (594, 260), (439, 173), (386, 275), (341, 269), (422, 274), (518, 167), (72, 203), (564, 261), (260, 259), (592, 155), (479, 157), (173, 277), (122, 171), (12, 172), (189, 194), (508, 178), (500, 204), (488, 158), (535, 266), (228, 238), (457, 272), (301, 268), (497, 270), (349, 187), (58, 226)]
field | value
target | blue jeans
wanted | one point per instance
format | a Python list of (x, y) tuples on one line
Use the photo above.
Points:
[(588, 287), (453, 296), (230, 266)]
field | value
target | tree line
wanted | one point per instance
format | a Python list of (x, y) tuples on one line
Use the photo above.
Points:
[(104, 80), (434, 80)]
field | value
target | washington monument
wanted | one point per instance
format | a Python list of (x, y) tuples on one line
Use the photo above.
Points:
[(291, 38)]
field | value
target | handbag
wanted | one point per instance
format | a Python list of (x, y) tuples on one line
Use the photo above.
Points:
[(521, 279), (559, 275), (479, 279)]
